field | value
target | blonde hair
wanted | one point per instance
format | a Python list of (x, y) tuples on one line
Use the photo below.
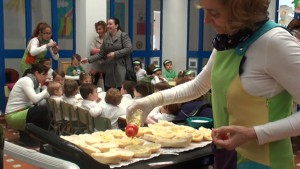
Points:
[(246, 13), (113, 96), (52, 87)]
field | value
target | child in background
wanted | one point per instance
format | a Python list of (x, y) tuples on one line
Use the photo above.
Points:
[(141, 90), (167, 112), (59, 76), (70, 91), (127, 93), (169, 73), (85, 78), (140, 72), (75, 69), (161, 86), (47, 63), (157, 76), (187, 73), (108, 109), (55, 90)]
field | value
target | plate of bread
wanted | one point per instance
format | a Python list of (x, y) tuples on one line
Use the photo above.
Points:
[(114, 148)]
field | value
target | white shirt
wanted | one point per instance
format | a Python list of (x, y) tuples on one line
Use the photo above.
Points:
[(156, 115), (140, 74), (23, 95), (126, 101), (104, 110)]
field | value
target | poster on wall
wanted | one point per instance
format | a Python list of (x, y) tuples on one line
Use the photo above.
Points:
[(120, 13), (65, 16)]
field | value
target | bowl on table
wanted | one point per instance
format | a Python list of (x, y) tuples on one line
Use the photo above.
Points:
[(197, 122)]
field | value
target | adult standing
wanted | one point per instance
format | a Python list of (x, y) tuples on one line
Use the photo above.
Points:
[(115, 53), (97, 67), (23, 102), (249, 86), (38, 46)]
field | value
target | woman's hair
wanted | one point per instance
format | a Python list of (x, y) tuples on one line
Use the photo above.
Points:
[(294, 24), (113, 96), (70, 88), (52, 87), (86, 89), (77, 57), (117, 22), (56, 72), (246, 13), (40, 28), (40, 68), (129, 87), (142, 88), (102, 24)]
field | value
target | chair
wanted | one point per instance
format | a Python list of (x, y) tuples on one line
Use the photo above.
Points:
[(69, 113), (57, 123), (101, 123), (63, 65), (84, 119)]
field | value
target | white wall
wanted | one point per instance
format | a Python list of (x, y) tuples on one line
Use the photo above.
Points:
[(174, 32), (272, 10), (87, 13)]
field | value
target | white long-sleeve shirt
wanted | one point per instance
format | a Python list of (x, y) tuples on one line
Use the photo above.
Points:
[(104, 110), (35, 48), (23, 95), (272, 65)]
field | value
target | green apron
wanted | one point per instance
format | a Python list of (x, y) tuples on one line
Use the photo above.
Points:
[(232, 105)]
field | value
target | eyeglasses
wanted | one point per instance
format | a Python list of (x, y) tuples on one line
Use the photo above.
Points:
[(47, 33)]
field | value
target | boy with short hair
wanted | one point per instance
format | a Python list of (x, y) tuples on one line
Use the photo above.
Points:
[(108, 109), (169, 73)]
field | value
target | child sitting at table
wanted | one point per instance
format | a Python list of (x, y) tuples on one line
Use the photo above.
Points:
[(75, 69), (85, 78), (167, 113), (55, 90), (141, 90), (70, 91), (157, 76), (169, 73), (47, 63), (109, 108), (127, 93), (59, 76), (140, 72)]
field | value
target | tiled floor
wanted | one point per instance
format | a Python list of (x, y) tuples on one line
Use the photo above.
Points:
[(11, 163)]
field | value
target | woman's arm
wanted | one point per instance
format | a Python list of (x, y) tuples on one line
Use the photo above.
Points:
[(30, 92), (35, 48)]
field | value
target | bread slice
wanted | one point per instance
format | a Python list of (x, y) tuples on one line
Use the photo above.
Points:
[(107, 157), (125, 155), (175, 143), (139, 151), (153, 147)]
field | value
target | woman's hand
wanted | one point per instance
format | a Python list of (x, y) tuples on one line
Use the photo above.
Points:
[(51, 44), (142, 104), (55, 49), (110, 55), (230, 137), (84, 60)]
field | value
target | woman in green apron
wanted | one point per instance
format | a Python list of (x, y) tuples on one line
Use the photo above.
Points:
[(38, 46), (253, 73)]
